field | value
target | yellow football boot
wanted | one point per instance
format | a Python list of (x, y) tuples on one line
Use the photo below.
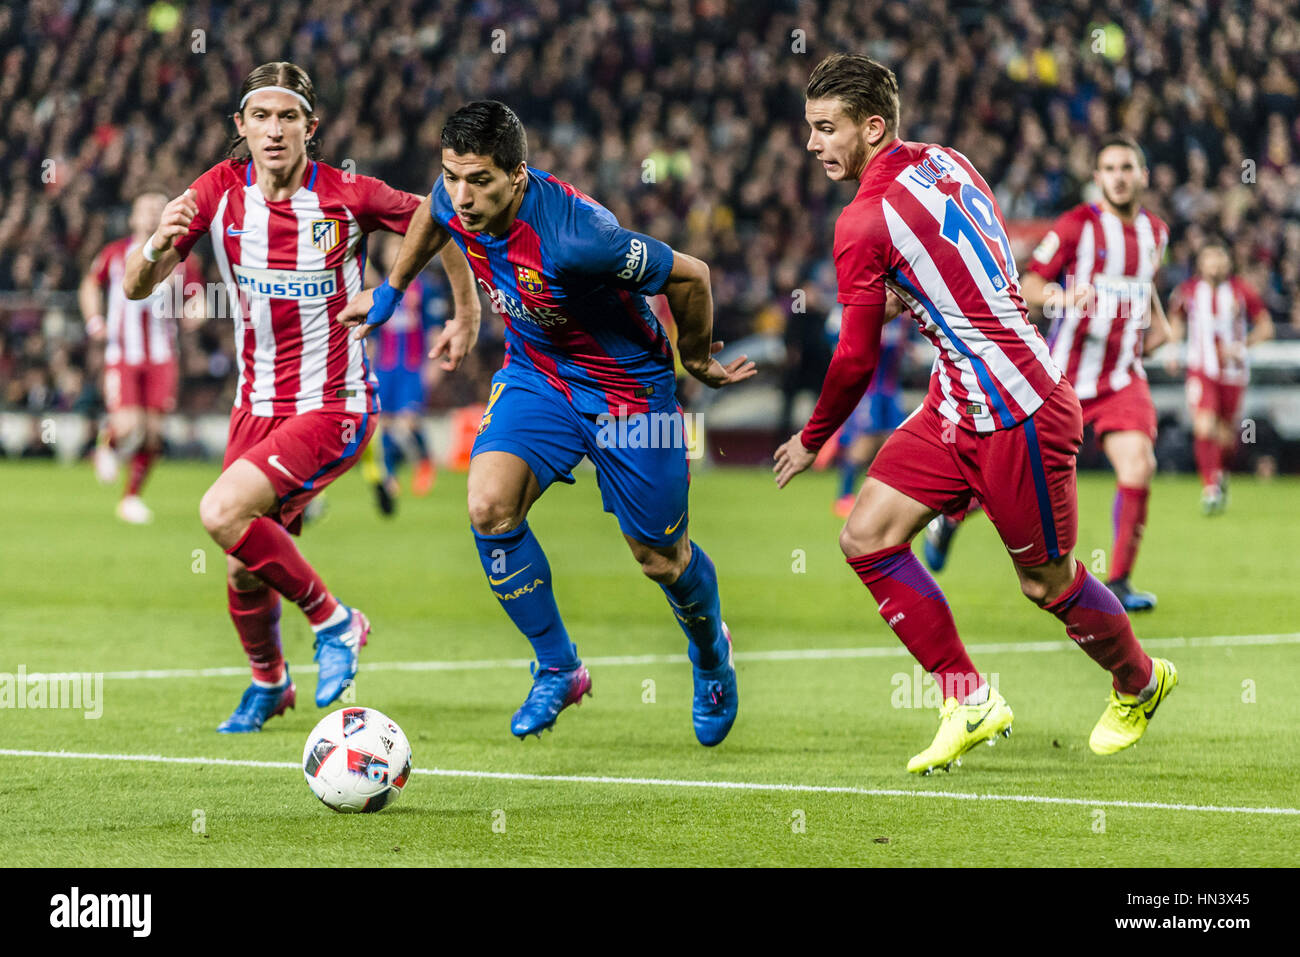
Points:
[(1125, 719), (961, 727)]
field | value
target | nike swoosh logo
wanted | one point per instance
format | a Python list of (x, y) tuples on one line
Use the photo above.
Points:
[(1017, 551), (971, 727), (232, 231), (502, 581), (881, 607), (274, 462), (673, 527), (477, 255)]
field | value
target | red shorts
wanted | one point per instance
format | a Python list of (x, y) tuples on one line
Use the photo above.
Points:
[(145, 385), (1128, 410), (1023, 476), (300, 454), (1210, 395)]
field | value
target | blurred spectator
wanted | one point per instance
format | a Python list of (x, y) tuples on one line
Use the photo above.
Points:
[(683, 116)]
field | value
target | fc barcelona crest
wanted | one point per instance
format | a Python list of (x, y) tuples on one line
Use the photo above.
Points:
[(530, 280), (324, 234)]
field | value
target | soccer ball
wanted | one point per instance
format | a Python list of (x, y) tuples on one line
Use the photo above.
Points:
[(357, 760)]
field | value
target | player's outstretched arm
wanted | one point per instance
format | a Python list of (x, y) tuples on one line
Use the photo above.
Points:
[(91, 300), (850, 372), (374, 307), (143, 273), (459, 334), (1160, 331), (691, 300)]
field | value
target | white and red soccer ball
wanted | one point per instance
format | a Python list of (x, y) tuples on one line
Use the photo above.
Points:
[(357, 760)]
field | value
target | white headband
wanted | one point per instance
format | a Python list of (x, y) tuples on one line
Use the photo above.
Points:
[(276, 89)]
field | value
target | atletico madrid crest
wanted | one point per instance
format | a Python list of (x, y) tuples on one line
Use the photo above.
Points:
[(324, 234), (530, 280)]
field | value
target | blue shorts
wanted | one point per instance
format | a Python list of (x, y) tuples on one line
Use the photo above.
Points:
[(400, 390), (877, 413), (641, 461)]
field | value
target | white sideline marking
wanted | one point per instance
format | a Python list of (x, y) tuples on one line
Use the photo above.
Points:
[(672, 783), (797, 654)]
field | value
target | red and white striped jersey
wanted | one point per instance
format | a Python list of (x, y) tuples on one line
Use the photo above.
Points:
[(1100, 348), (1217, 321), (290, 267), (140, 331), (925, 224)]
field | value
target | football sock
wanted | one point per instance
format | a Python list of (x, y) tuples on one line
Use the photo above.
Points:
[(270, 554), (520, 576), (848, 478), (256, 615), (1096, 621), (912, 604), (695, 603), (392, 453), (422, 447), (1129, 517), (140, 463), (1208, 460)]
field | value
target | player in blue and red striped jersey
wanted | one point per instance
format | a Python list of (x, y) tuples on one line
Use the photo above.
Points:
[(879, 412), (1000, 421), (588, 371)]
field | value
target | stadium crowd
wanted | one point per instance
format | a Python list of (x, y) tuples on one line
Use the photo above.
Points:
[(684, 117)]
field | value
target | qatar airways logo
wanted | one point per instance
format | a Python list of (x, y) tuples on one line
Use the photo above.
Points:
[(286, 283), (507, 305)]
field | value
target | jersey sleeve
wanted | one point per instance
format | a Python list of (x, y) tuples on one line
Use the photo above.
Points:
[(862, 256), (1057, 248), (593, 244), (99, 267), (376, 205), (207, 196), (1253, 301)]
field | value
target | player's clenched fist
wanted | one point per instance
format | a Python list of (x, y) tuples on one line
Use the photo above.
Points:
[(176, 219)]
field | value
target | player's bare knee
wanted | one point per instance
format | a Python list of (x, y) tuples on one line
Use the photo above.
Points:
[(218, 514), (491, 514), (858, 540), (1036, 590)]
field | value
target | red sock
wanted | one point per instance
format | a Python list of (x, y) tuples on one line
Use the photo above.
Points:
[(911, 603), (140, 463), (1209, 460), (256, 615), (1130, 518), (271, 555), (1095, 619)]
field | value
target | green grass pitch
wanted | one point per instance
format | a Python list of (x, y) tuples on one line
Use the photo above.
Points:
[(81, 592)]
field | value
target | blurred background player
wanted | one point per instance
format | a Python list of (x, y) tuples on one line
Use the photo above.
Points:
[(879, 412), (399, 352), (1214, 310), (1094, 273), (288, 233), (140, 368), (1000, 420), (585, 357)]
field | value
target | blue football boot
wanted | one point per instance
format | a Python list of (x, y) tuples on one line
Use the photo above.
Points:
[(1130, 599), (553, 690), (258, 704), (716, 701), (938, 539), (337, 650)]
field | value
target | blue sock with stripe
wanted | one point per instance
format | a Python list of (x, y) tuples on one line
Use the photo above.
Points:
[(520, 577), (392, 454), (848, 478), (695, 603)]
